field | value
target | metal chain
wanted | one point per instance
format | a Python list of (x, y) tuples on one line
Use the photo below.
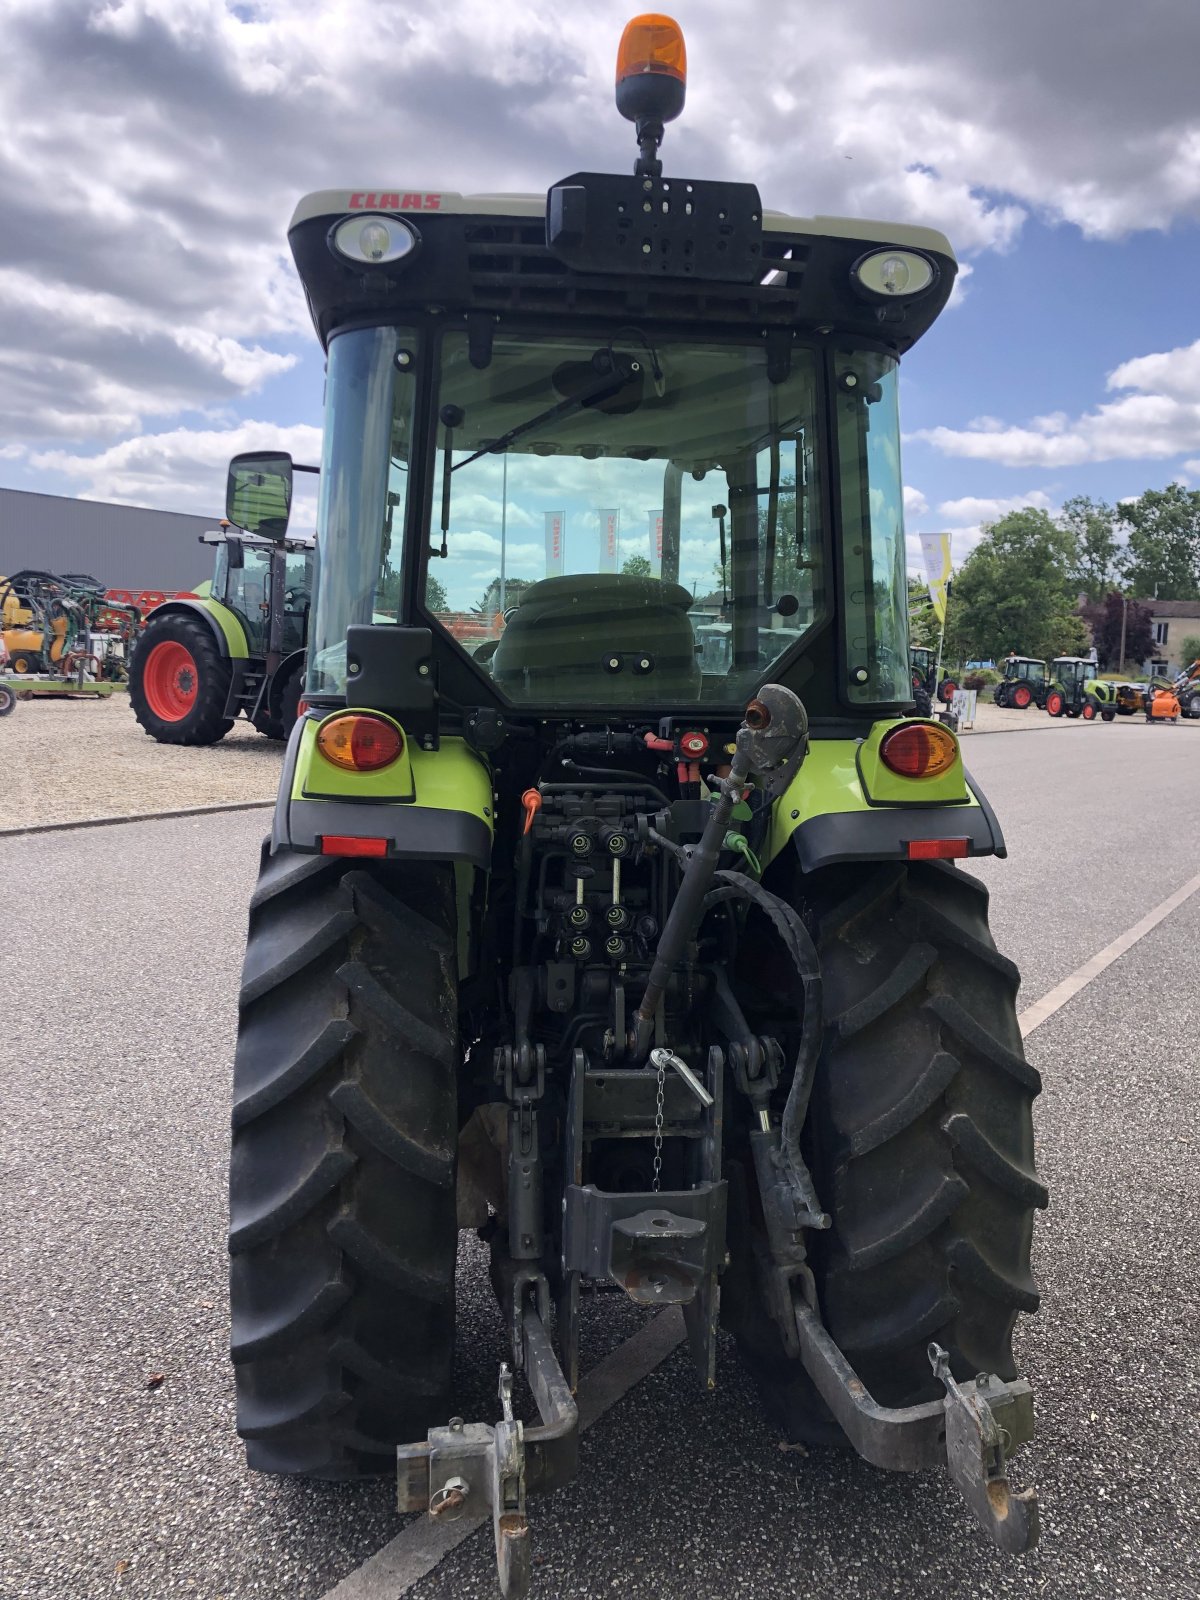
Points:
[(658, 1124)]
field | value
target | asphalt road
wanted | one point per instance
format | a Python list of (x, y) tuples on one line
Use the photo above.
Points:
[(118, 980)]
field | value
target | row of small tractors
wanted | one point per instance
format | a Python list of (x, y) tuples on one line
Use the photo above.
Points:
[(1069, 687)]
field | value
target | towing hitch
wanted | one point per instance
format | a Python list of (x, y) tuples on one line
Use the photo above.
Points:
[(473, 1468), (972, 1431)]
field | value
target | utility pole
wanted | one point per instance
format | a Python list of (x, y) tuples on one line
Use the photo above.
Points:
[(503, 529)]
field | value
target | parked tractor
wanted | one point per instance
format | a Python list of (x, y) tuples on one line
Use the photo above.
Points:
[(1023, 685), (1187, 688), (657, 974), (201, 663), (1072, 690), (926, 685)]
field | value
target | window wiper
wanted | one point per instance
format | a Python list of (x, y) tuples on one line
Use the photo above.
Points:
[(604, 385)]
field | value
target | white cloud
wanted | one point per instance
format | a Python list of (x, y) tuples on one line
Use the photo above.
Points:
[(976, 509), (1160, 419), (184, 469), (1175, 373), (915, 503)]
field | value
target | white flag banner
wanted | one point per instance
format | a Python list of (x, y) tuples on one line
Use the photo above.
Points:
[(935, 547), (656, 537), (554, 543), (610, 527)]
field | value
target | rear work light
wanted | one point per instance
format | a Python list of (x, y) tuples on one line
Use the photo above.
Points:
[(936, 849), (343, 844), (918, 750), (359, 743)]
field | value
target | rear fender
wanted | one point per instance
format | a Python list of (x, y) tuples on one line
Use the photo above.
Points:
[(844, 805), (430, 805), (224, 625)]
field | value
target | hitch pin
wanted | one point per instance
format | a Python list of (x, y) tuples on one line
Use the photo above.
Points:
[(668, 1058)]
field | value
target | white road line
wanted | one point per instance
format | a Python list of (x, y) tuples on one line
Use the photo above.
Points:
[(1033, 1016), (422, 1544), (137, 816)]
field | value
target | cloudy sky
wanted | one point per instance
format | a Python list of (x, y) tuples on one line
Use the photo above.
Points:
[(151, 152)]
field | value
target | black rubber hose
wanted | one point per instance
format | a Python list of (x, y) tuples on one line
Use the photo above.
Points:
[(799, 944)]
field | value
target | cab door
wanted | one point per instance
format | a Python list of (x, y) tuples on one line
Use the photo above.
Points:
[(248, 593)]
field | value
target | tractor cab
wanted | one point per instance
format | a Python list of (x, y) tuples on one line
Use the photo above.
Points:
[(246, 572), (1024, 683), (1071, 671)]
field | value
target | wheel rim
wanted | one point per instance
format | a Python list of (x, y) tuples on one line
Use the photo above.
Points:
[(1088, 713), (171, 681), (1054, 705), (1021, 698)]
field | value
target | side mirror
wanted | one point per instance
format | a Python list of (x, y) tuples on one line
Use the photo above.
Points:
[(258, 492)]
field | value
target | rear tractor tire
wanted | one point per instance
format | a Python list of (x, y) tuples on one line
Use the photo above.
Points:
[(921, 1144), (343, 1228), (179, 682), (1055, 703), (1022, 697)]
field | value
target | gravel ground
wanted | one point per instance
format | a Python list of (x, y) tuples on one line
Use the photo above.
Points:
[(113, 1123), (64, 760)]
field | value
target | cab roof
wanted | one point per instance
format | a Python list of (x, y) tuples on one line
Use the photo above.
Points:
[(335, 202)]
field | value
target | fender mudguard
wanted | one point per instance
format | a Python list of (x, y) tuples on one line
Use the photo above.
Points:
[(843, 806), (430, 805), (226, 629)]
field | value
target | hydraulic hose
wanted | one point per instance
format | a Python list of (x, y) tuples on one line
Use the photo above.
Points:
[(803, 952)]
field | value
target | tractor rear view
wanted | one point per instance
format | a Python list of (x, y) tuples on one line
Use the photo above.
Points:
[(927, 685), (655, 963), (1023, 685), (201, 663)]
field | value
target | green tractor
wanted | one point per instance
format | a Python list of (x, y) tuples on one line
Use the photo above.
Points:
[(201, 663), (1073, 690), (659, 968), (1024, 683), (926, 685)]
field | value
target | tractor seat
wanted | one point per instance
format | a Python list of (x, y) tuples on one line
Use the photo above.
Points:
[(599, 638)]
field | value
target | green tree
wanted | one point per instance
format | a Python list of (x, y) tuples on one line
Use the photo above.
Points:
[(1092, 525), (387, 596), (488, 603), (923, 624), (1164, 543), (436, 598), (1017, 591), (637, 566), (1111, 616), (1189, 649)]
